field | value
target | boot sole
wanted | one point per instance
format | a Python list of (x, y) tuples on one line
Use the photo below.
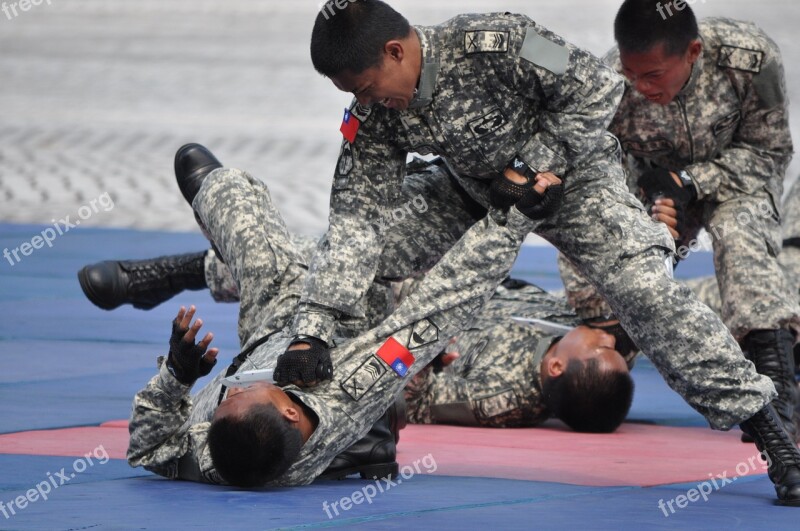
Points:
[(83, 280), (377, 471)]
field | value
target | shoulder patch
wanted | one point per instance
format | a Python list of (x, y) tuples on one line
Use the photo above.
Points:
[(361, 112), (485, 41), (545, 53), (345, 164), (423, 333), (743, 59)]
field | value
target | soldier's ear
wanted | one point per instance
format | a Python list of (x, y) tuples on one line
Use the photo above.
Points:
[(394, 50), (554, 367), (694, 50), (291, 414)]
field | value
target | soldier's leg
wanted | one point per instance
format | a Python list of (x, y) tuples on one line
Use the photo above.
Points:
[(757, 304), (609, 237), (431, 215), (238, 213)]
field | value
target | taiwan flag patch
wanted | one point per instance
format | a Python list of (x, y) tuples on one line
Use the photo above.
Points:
[(396, 356), (349, 126)]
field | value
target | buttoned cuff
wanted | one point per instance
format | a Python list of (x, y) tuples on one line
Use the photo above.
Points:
[(315, 322)]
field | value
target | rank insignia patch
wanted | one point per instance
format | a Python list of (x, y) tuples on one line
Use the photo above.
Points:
[(740, 58), (486, 41), (396, 356), (362, 380), (349, 126)]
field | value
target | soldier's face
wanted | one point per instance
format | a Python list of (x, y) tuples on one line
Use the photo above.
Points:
[(584, 343), (658, 76), (240, 399), (391, 83)]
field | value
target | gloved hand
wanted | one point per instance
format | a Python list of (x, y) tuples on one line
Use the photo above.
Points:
[(659, 182), (624, 344), (186, 361), (307, 366), (540, 206)]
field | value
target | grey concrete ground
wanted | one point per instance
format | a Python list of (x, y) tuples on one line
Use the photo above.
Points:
[(96, 96)]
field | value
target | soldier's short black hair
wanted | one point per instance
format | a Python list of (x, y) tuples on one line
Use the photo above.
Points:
[(251, 449), (642, 24), (587, 398), (352, 37)]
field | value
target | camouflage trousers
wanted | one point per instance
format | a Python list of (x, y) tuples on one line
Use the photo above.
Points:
[(237, 212), (707, 289)]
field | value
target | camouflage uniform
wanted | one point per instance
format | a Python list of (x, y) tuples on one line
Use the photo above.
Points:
[(493, 86), (728, 128), (495, 382), (707, 289), (169, 437)]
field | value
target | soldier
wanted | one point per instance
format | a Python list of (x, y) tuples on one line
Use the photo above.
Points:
[(265, 435), (704, 122), (512, 375), (507, 103)]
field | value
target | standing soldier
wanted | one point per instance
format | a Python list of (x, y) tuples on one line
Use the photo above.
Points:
[(704, 122)]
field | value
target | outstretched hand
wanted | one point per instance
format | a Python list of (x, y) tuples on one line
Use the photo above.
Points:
[(188, 361)]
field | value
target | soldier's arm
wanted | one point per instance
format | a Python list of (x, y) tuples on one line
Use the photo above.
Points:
[(160, 441), (579, 92), (440, 397), (761, 146), (368, 175)]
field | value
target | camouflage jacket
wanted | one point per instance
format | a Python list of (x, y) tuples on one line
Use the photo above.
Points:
[(496, 380), (728, 127), (492, 86)]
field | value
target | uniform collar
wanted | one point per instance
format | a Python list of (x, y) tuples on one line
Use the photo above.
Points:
[(429, 71)]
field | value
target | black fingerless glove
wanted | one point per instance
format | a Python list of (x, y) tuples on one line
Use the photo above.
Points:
[(537, 206), (657, 183), (624, 344), (185, 360), (313, 364)]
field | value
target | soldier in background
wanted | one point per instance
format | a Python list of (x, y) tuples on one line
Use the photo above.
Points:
[(704, 122)]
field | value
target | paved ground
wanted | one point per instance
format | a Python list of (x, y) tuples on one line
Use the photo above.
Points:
[(96, 96)]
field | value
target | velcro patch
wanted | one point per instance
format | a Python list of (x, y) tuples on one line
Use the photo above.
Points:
[(396, 356), (484, 41), (368, 373), (345, 164), (545, 53), (740, 58), (487, 123), (423, 333)]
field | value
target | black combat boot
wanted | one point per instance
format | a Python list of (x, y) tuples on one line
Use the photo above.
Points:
[(772, 353), (783, 457), (375, 455), (193, 163), (143, 283)]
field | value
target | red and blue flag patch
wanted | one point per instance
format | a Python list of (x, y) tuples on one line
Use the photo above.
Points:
[(396, 356), (349, 126)]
